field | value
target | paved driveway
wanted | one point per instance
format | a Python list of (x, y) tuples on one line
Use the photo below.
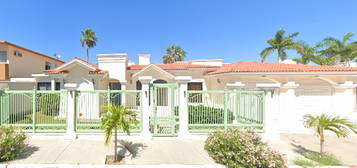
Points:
[(55, 150)]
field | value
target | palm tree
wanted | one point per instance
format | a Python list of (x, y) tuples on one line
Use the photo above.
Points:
[(312, 54), (88, 40), (117, 117), (280, 43), (173, 54), (322, 123), (341, 50), (307, 53)]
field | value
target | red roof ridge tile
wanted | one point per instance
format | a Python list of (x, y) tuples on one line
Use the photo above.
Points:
[(253, 66), (96, 71)]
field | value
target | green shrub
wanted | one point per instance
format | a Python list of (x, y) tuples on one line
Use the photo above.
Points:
[(206, 115), (49, 104), (12, 142), (240, 148)]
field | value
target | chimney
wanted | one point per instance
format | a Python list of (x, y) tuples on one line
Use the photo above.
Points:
[(115, 64), (144, 59)]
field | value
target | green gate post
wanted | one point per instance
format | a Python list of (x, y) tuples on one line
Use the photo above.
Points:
[(108, 97), (34, 111), (263, 110), (238, 93), (225, 109), (2, 93)]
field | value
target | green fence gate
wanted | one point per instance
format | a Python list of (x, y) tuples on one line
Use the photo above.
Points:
[(164, 120), (34, 111), (213, 110)]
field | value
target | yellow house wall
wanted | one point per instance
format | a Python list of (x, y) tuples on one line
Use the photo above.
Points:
[(28, 64)]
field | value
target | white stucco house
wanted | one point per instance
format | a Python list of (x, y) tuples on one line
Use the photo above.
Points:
[(292, 90)]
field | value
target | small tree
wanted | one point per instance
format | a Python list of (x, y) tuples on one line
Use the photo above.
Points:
[(324, 122), (117, 117)]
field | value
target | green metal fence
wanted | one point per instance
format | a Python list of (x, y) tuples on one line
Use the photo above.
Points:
[(212, 110), (90, 105), (34, 111)]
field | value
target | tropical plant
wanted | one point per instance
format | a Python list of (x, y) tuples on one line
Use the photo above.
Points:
[(114, 118), (89, 40), (307, 53), (12, 142), (173, 54), (341, 50), (280, 43), (237, 148), (312, 54), (320, 124)]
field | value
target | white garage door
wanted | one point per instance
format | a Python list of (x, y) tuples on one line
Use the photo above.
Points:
[(313, 99)]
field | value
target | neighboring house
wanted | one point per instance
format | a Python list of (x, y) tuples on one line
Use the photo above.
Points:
[(17, 64)]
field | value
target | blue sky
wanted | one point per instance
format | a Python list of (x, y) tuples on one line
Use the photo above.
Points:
[(232, 30)]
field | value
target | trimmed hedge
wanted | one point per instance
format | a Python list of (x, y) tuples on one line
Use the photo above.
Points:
[(49, 104), (206, 115)]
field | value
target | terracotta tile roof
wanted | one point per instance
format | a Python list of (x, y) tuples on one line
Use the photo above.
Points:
[(96, 71), (251, 66), (175, 66)]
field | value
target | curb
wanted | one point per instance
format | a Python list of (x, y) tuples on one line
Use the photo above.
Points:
[(107, 166), (326, 167), (132, 166)]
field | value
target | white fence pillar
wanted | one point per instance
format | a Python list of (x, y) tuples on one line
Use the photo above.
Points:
[(271, 133), (145, 132), (71, 113), (183, 106), (123, 96), (71, 133), (53, 84)]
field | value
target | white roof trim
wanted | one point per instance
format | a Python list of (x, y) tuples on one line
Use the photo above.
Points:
[(39, 75), (72, 63), (23, 80), (156, 68), (267, 85)]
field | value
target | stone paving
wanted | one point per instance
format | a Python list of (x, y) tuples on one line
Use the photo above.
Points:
[(56, 150)]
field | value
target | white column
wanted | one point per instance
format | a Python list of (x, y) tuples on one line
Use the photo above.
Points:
[(145, 132), (271, 110), (344, 101), (123, 96), (71, 116), (183, 106), (53, 84)]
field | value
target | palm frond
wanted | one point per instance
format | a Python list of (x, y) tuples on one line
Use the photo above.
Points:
[(267, 51), (347, 37)]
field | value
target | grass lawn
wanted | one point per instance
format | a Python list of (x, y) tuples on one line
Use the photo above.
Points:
[(313, 159)]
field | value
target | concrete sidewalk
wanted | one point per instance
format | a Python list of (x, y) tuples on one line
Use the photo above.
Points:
[(55, 150)]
